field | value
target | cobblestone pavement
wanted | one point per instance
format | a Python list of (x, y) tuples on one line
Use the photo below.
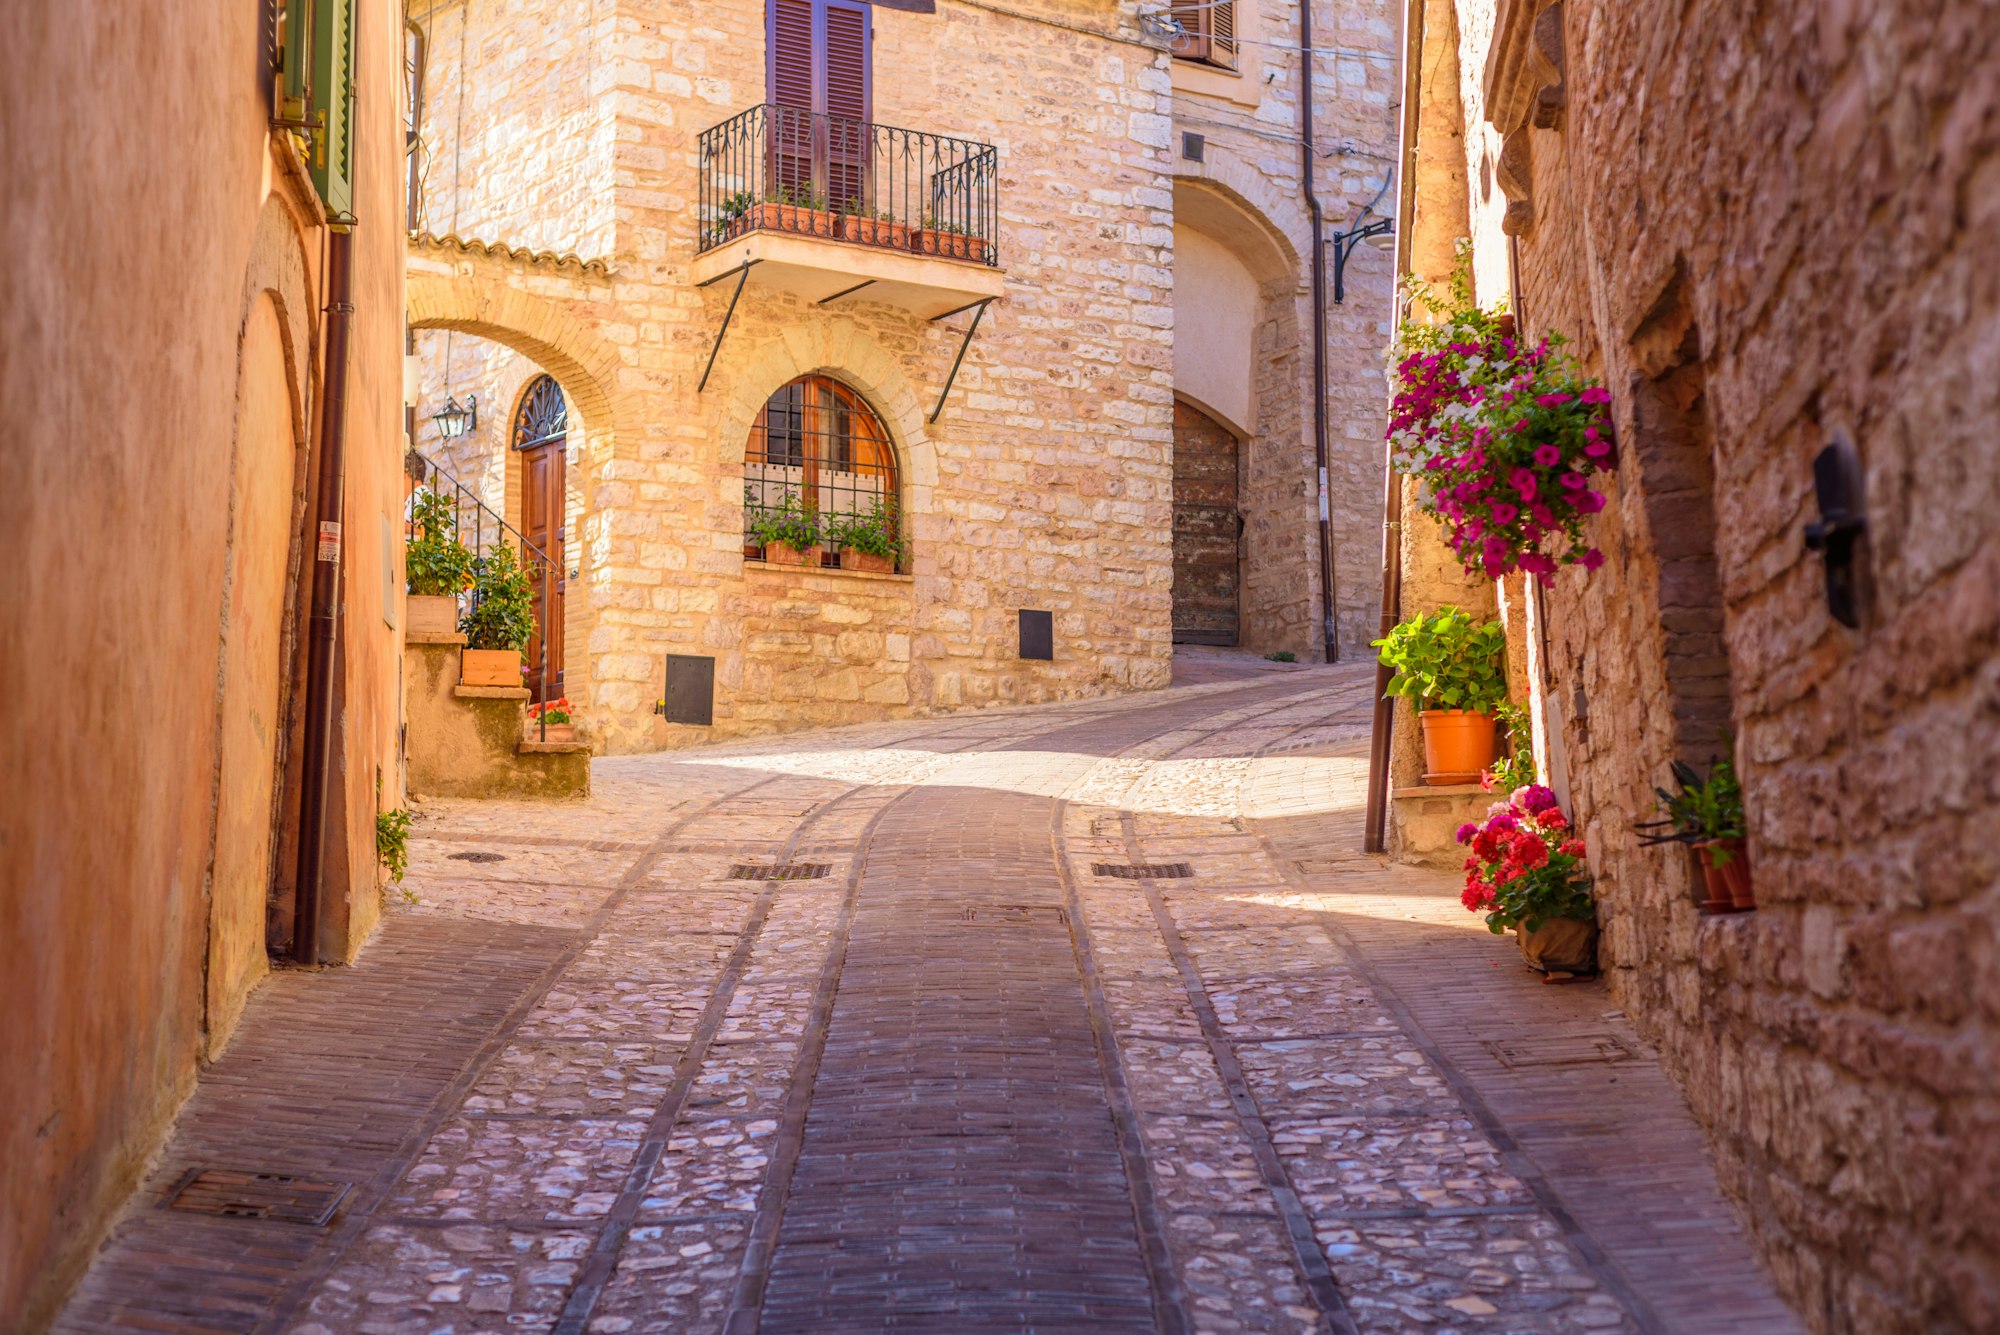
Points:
[(1080, 1017)]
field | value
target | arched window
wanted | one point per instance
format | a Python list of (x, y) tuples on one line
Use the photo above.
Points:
[(544, 415), (819, 448)]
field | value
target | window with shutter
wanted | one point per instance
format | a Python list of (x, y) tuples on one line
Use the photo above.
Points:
[(1208, 32), (316, 56)]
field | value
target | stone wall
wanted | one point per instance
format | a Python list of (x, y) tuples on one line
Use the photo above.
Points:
[(1730, 190)]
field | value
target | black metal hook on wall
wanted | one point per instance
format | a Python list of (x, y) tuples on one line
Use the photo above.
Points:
[(1839, 532)]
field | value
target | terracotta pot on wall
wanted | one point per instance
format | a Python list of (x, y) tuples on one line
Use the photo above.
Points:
[(779, 554), (1729, 888), (868, 561), (432, 614), (1458, 745), (557, 732), (1560, 945), (875, 232), (489, 667)]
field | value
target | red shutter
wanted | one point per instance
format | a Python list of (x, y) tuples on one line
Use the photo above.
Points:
[(846, 60), (791, 65)]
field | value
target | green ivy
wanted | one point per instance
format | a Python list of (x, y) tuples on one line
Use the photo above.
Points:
[(1447, 660), (1518, 767), (503, 603), (392, 841), (436, 562)]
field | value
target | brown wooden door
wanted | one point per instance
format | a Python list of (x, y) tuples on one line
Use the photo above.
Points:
[(1206, 527), (542, 525), (819, 65)]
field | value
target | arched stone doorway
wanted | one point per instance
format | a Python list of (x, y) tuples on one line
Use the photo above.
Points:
[(1208, 528)]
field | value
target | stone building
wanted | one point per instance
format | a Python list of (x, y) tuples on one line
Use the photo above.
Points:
[(164, 345), (1769, 229), (1020, 276)]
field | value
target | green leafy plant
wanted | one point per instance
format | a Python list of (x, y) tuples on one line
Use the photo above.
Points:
[(1447, 660), (729, 215), (503, 603), (876, 533), (1517, 767), (806, 195), (435, 561), (1700, 810), (392, 841), (787, 522), (1282, 656)]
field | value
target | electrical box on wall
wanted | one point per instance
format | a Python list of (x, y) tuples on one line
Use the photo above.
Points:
[(690, 691), (1038, 635)]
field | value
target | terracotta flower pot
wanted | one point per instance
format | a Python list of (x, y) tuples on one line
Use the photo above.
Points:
[(782, 554), (1560, 945), (557, 732), (432, 614), (936, 241), (875, 232), (868, 561), (1458, 745), (790, 218), (489, 667), (1729, 882)]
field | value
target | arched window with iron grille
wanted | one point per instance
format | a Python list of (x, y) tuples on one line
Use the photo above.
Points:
[(817, 446)]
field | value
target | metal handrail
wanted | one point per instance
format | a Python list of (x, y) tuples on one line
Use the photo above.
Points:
[(779, 168), (465, 498)]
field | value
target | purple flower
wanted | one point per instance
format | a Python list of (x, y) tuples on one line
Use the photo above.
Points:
[(1556, 400), (1466, 831), (1596, 394), (1547, 456), (1504, 513), (1592, 559), (1533, 797), (1590, 502), (1574, 481), (1597, 449)]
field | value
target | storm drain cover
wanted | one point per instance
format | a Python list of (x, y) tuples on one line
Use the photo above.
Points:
[(783, 871), (1563, 1050), (291, 1200), (1015, 915), (1144, 871), (477, 856)]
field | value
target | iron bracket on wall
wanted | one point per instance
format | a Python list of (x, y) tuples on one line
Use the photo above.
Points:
[(742, 272), (846, 292), (978, 308)]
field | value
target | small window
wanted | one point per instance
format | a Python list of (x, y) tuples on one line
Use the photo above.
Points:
[(818, 446), (1208, 32)]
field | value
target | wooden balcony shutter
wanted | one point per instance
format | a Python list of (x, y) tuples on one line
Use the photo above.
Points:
[(1222, 34), (819, 63), (1208, 32)]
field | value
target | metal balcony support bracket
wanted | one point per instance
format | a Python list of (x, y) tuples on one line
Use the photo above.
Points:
[(978, 308), (845, 292), (742, 272)]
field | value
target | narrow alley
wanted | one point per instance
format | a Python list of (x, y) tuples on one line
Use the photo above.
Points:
[(1072, 1017)]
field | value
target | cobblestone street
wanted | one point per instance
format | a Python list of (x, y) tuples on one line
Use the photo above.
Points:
[(1078, 1017)]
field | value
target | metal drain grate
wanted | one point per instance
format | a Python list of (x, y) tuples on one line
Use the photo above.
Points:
[(783, 871), (1015, 915), (477, 857), (291, 1200), (1144, 871), (1563, 1050)]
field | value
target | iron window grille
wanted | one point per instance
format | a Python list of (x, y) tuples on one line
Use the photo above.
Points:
[(817, 444)]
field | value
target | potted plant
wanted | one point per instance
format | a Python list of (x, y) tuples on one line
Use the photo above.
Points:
[(1707, 814), (1526, 871), (942, 237), (788, 532), (872, 542), (872, 228), (729, 216), (436, 565), (800, 208), (500, 622), (1452, 668), (551, 721)]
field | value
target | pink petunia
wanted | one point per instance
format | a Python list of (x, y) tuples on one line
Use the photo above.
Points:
[(1547, 456)]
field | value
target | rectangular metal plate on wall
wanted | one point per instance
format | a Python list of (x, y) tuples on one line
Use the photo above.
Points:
[(1038, 635), (690, 690)]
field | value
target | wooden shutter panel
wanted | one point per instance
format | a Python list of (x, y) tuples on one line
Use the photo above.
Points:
[(333, 87), (846, 77), (1192, 44), (1222, 34), (791, 40)]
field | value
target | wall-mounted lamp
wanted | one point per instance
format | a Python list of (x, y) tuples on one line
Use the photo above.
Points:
[(1381, 234), (454, 421)]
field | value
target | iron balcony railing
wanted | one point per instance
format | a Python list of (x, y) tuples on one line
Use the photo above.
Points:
[(775, 168), (480, 528)]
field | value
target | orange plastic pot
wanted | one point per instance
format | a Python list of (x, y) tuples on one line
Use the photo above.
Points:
[(1458, 745)]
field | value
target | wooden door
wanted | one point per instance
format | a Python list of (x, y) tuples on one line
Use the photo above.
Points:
[(1206, 530), (818, 78), (542, 479)]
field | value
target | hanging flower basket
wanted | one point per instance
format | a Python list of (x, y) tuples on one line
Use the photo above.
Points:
[(1502, 436)]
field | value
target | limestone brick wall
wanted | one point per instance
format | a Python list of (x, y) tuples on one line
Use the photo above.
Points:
[(1764, 226)]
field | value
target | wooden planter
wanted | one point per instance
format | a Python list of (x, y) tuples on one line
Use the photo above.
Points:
[(951, 245), (781, 554), (489, 667), (1729, 887), (1458, 746), (432, 614), (790, 218), (868, 561), (1560, 945), (875, 232)]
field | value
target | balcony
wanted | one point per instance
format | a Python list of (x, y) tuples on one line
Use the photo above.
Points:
[(828, 207)]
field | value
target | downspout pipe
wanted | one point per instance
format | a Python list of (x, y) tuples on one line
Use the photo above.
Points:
[(316, 750), (1374, 836), (1308, 163)]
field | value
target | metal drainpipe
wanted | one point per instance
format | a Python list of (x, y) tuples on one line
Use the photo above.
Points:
[(1373, 831), (317, 748), (1308, 160)]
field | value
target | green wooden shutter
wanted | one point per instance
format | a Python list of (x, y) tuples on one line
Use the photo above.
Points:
[(332, 164)]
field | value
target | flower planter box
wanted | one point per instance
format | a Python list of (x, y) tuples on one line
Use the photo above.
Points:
[(779, 554), (790, 218), (1560, 946), (489, 667), (950, 245), (875, 232), (867, 561), (432, 614), (1458, 746)]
